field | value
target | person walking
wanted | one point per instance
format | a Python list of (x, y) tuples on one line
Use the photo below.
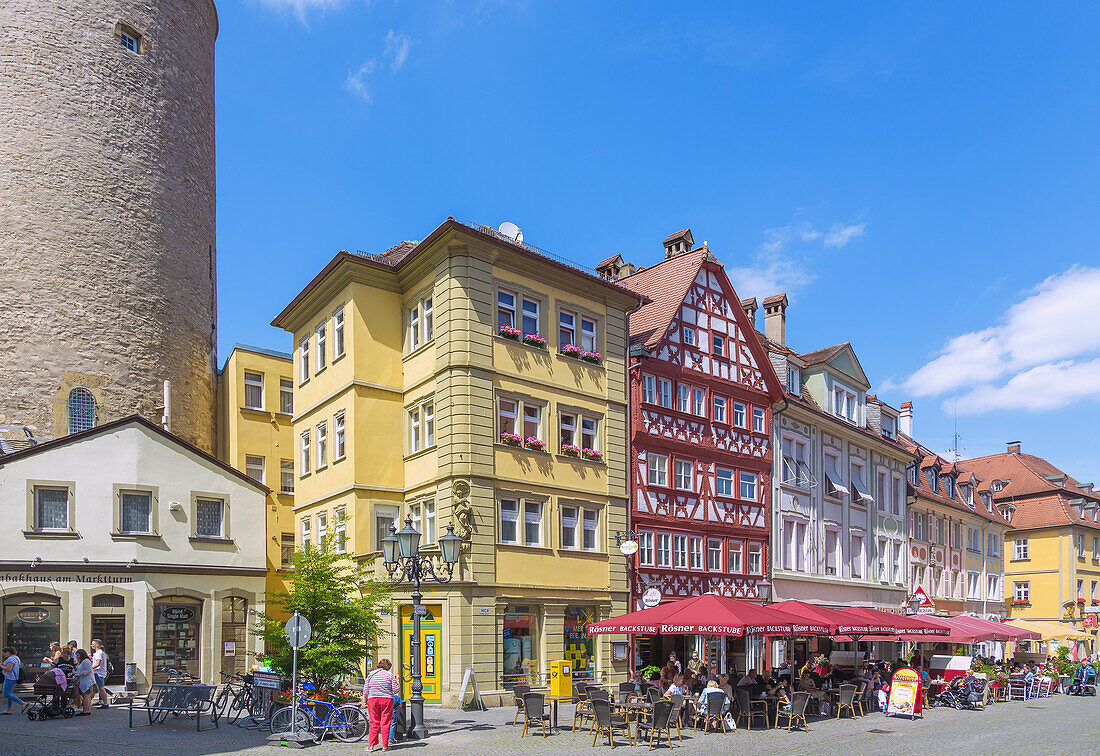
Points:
[(100, 668), (379, 690), (84, 681), (11, 666)]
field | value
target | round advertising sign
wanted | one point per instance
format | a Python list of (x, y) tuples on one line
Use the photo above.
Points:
[(177, 614), (629, 547), (34, 615), (651, 598)]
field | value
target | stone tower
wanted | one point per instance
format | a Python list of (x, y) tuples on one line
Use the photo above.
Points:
[(107, 275)]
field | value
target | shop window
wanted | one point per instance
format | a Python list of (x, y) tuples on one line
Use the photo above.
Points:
[(31, 623), (520, 646), (176, 636), (579, 645)]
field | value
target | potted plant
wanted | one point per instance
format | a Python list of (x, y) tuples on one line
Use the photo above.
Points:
[(571, 350), (534, 443), (592, 455), (508, 332), (594, 357), (511, 439), (533, 339), (569, 450)]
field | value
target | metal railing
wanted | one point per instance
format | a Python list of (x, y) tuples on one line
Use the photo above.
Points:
[(538, 679), (531, 247)]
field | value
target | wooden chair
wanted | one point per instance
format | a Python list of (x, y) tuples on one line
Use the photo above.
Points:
[(714, 712), (1017, 689), (605, 721), (664, 712), (796, 715), (847, 700), (518, 691), (535, 711), (748, 708)]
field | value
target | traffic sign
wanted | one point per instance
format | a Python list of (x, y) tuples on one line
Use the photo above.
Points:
[(298, 631)]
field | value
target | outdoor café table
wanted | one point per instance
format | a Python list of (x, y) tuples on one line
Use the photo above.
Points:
[(554, 701)]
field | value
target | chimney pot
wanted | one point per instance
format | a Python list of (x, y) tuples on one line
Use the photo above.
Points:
[(775, 318), (749, 306), (905, 419), (1013, 447)]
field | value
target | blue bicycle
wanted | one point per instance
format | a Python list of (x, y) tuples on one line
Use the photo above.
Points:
[(346, 722)]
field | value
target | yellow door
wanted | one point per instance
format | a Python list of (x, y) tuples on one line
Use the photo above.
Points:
[(431, 652)]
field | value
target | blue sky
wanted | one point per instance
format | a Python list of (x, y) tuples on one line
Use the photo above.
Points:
[(921, 179)]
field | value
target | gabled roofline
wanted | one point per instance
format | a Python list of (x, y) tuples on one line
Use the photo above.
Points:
[(120, 423)]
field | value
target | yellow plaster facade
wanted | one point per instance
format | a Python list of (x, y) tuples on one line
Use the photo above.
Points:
[(403, 387)]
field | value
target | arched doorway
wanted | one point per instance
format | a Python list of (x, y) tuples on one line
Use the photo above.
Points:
[(31, 622)]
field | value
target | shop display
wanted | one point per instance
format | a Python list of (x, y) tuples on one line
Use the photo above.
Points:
[(176, 628)]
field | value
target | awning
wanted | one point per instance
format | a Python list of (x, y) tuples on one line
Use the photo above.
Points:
[(861, 491), (838, 621), (708, 615), (834, 482), (994, 631), (904, 624), (1050, 631)]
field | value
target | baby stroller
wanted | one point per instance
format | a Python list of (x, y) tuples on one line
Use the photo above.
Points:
[(962, 693), (1084, 681), (51, 699)]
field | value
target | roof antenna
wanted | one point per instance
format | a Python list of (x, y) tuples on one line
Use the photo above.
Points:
[(955, 437)]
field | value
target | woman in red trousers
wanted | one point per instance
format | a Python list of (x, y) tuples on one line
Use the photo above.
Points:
[(378, 692)]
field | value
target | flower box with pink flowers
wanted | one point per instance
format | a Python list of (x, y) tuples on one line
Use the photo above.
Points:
[(534, 443), (569, 450), (533, 339), (592, 455), (511, 439), (594, 357), (507, 332)]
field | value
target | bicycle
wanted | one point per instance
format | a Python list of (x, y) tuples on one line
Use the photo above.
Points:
[(235, 698), (346, 722)]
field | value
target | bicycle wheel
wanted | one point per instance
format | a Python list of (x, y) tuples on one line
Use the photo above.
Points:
[(281, 719), (239, 705), (348, 723), (222, 700)]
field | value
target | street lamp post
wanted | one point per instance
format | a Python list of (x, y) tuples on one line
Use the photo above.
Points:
[(402, 559)]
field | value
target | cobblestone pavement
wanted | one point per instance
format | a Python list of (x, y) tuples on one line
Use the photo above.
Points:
[(1060, 725)]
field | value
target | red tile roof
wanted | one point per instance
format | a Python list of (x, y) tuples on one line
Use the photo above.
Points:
[(823, 355), (666, 285), (775, 299), (677, 236), (958, 501)]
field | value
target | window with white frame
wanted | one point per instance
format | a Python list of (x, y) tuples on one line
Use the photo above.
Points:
[(735, 555), (385, 517), (286, 476), (889, 426), (339, 437), (645, 548), (305, 525), (758, 425), (649, 389), (569, 527), (286, 550), (845, 403), (532, 320), (883, 491), (689, 336), (506, 309), (756, 559), (321, 343), (414, 327), (832, 540), (973, 585), (1021, 548), (567, 429), (862, 494), (897, 501), (747, 486), (993, 586), (657, 470), (993, 544), (567, 328), (695, 547), (723, 481), (303, 360), (719, 409), (588, 334), (834, 484), (532, 522), (714, 554), (794, 463), (794, 379), (1021, 591), (51, 508), (858, 558), (507, 412), (698, 402), (509, 519), (254, 390), (1093, 594), (679, 552), (136, 512), (338, 333), (974, 540), (286, 396), (1080, 546), (899, 576), (739, 414), (303, 464), (718, 345), (340, 529), (684, 475), (590, 526), (322, 528), (1095, 547), (664, 392), (664, 550), (882, 555), (683, 397), (322, 445), (532, 422), (254, 467), (423, 519)]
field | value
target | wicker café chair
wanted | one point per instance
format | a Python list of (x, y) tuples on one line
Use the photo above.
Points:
[(535, 712), (715, 711), (861, 694), (582, 707), (518, 692), (664, 712), (797, 713), (847, 700), (605, 721), (677, 701), (748, 708)]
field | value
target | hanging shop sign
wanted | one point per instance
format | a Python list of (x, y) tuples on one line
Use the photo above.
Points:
[(651, 598)]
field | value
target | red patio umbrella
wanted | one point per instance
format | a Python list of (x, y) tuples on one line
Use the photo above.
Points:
[(839, 621), (914, 624), (998, 631), (709, 614)]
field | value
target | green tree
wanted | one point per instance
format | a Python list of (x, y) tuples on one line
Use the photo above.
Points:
[(342, 600)]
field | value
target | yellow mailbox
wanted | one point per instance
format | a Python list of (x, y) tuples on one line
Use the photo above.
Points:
[(561, 678)]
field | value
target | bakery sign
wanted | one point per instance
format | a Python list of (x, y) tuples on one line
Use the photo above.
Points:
[(40, 577)]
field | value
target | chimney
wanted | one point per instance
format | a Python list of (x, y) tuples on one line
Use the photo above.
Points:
[(905, 419), (775, 318), (749, 306), (1013, 447), (678, 243)]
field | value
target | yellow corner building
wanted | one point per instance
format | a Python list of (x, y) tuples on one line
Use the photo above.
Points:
[(256, 436), (473, 381)]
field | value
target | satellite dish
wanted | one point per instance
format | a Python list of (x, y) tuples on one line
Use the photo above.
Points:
[(511, 230)]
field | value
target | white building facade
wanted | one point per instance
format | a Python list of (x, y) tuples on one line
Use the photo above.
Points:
[(128, 534)]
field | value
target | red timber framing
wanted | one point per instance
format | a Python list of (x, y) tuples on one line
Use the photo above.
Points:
[(701, 396)]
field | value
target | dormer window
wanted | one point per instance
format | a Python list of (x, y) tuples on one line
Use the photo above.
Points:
[(911, 473), (933, 480), (845, 403), (794, 379), (889, 426), (949, 486)]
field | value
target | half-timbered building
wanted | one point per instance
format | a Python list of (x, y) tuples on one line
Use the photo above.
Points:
[(701, 394)]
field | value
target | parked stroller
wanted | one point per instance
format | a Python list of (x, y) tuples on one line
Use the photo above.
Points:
[(51, 699), (1084, 681), (962, 693)]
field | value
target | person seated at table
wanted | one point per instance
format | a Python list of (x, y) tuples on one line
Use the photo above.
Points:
[(724, 684), (655, 681), (676, 688), (807, 684), (701, 707), (1029, 673), (749, 679)]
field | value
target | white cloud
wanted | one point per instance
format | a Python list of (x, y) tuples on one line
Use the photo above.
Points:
[(1030, 360), (359, 81), (397, 47), (301, 8), (839, 235)]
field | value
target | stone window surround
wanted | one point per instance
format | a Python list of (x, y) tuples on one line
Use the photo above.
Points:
[(116, 511), (226, 536), (30, 531)]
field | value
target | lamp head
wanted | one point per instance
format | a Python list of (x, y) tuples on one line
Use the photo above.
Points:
[(449, 546), (764, 590), (389, 547), (408, 540)]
